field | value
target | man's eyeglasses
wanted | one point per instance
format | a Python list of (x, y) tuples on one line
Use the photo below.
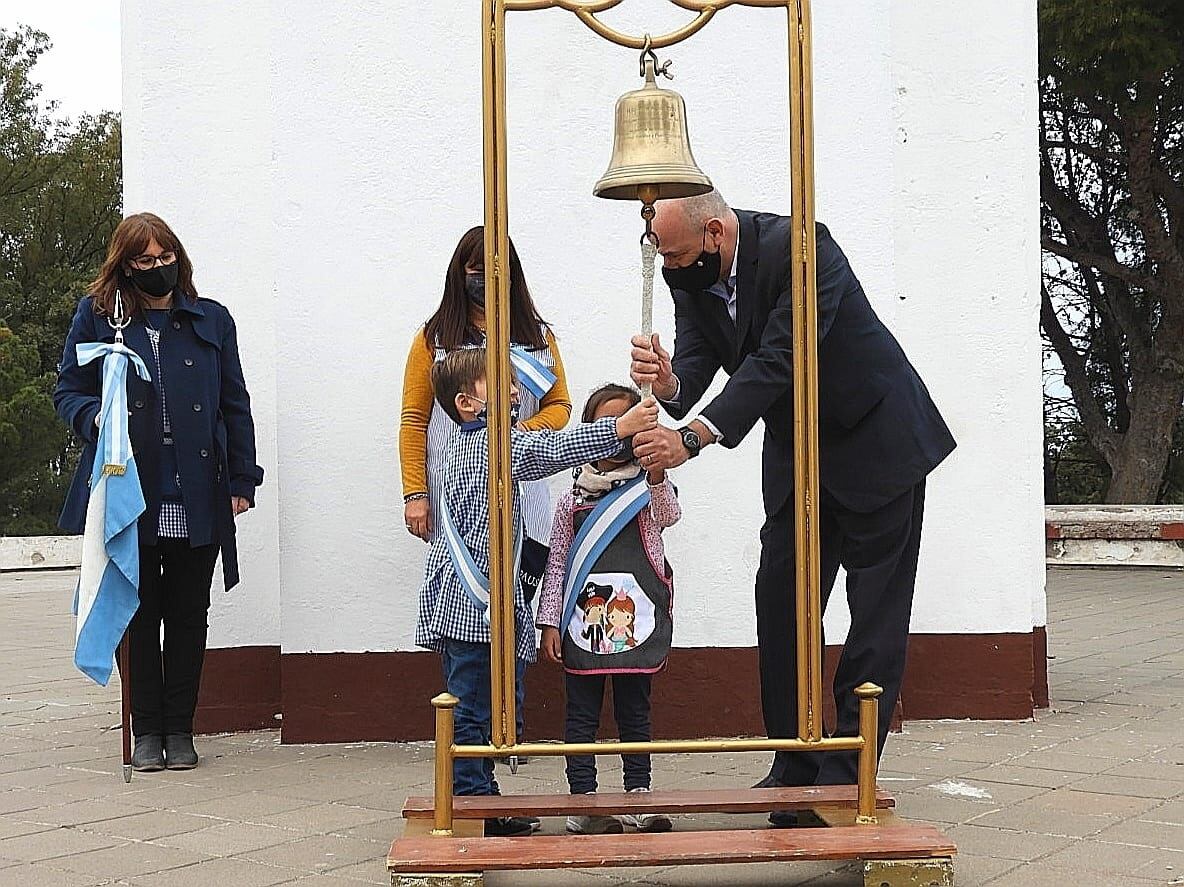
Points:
[(147, 262)]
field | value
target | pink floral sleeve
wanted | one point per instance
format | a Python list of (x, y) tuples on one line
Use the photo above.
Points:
[(664, 507), (551, 595)]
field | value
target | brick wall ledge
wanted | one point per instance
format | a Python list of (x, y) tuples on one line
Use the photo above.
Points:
[(1087, 535), (1115, 535), (40, 552)]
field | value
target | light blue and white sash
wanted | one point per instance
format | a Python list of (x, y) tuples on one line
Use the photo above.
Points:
[(611, 515), (534, 375), (472, 580)]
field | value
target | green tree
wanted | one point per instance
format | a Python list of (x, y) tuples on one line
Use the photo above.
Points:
[(60, 198), (1112, 157), (32, 444)]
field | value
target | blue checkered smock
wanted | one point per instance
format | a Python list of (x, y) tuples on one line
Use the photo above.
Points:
[(445, 610)]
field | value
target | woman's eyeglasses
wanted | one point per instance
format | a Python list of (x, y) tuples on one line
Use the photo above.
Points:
[(147, 262)]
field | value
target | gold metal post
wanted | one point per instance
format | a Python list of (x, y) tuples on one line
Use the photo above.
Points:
[(869, 728), (502, 578), (445, 705), (805, 377)]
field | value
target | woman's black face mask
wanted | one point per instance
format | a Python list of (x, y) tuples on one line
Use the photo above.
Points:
[(701, 274), (156, 282), (475, 288)]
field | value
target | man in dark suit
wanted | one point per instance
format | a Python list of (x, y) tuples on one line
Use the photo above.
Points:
[(880, 436)]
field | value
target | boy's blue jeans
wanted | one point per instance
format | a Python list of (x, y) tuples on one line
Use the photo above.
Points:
[(466, 674)]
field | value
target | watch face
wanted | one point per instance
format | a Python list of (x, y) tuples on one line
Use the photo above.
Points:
[(690, 440)]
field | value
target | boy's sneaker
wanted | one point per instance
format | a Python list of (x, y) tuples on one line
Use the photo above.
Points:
[(648, 822), (508, 827), (535, 822), (594, 825)]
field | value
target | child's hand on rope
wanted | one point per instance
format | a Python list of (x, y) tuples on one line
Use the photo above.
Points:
[(640, 418)]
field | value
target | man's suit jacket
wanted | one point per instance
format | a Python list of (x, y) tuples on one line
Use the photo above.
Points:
[(880, 432)]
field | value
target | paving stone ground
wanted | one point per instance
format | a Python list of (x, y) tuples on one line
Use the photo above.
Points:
[(1091, 791)]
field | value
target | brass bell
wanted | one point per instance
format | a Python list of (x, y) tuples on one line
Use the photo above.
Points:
[(652, 157)]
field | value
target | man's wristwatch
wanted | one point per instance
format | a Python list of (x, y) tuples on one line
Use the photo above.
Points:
[(691, 440)]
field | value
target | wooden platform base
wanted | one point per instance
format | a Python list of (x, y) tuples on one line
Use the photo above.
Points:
[(449, 855), (894, 853)]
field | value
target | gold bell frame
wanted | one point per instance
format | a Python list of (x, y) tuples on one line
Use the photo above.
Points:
[(805, 422)]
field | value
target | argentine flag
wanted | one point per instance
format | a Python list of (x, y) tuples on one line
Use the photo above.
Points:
[(108, 587)]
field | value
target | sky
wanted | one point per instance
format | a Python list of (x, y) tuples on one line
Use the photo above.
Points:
[(81, 71)]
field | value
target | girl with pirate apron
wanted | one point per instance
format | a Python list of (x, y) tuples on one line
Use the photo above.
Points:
[(606, 606)]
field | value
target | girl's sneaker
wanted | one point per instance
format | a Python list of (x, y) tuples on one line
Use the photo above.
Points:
[(648, 822), (594, 825)]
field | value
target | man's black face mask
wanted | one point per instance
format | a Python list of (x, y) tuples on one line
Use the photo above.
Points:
[(701, 274)]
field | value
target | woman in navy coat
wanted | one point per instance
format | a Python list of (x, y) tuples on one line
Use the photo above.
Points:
[(194, 441)]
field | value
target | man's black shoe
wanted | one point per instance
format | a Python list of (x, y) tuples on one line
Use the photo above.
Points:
[(796, 819), (179, 751), (770, 781), (148, 756), (508, 827)]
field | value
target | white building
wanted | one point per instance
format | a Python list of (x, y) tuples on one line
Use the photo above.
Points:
[(320, 160)]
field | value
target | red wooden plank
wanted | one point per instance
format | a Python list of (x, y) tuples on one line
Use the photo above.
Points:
[(755, 800), (428, 855)]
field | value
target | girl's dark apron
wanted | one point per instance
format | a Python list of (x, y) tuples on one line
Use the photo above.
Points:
[(621, 623)]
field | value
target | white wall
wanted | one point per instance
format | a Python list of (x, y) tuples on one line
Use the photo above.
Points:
[(197, 150), (321, 161), (967, 265)]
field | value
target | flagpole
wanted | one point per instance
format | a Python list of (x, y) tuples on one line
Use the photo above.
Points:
[(125, 697)]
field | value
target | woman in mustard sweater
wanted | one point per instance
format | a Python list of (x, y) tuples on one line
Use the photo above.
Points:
[(424, 430)]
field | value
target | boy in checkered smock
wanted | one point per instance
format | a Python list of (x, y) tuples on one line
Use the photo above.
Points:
[(452, 618)]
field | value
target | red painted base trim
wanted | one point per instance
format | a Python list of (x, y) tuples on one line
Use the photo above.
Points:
[(240, 690), (1040, 667), (338, 697)]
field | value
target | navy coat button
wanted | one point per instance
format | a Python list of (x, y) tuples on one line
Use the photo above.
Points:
[(205, 453), (176, 324), (139, 404), (197, 408), (189, 361)]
